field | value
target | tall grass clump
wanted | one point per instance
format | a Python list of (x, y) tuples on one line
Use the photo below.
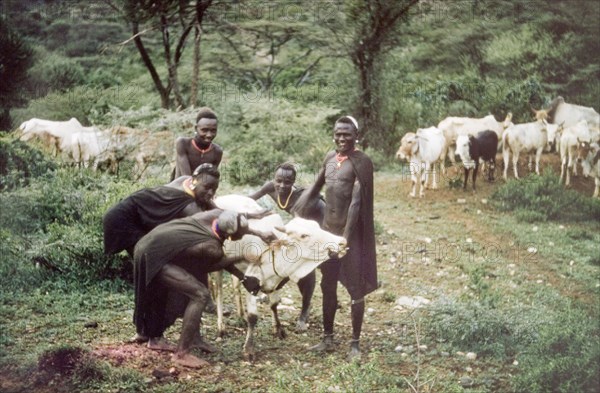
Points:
[(543, 198), (19, 163)]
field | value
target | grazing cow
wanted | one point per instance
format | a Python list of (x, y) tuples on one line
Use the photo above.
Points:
[(568, 114), (452, 127), (482, 147), (301, 246), (59, 136), (591, 164), (570, 139), (531, 138), (423, 150)]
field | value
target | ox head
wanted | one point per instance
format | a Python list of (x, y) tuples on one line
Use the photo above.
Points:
[(553, 131), (463, 150), (302, 246), (409, 145)]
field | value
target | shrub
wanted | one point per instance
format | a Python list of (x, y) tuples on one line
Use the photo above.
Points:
[(543, 198), (19, 163)]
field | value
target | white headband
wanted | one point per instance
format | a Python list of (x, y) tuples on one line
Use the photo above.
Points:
[(353, 121)]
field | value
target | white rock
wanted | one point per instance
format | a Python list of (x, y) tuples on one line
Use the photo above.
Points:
[(532, 250), (469, 240), (286, 301), (478, 211), (484, 201), (423, 347), (535, 229), (571, 263), (471, 355), (561, 227), (539, 281), (370, 310), (551, 244), (412, 302), (515, 363), (459, 353), (468, 369), (427, 240), (390, 232), (393, 260), (461, 200), (398, 348)]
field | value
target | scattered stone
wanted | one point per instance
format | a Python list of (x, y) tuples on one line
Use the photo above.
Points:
[(484, 201), (444, 354), (403, 354), (478, 211), (516, 363), (551, 244), (390, 232), (469, 240), (423, 347), (399, 348), (370, 310), (466, 382), (160, 373), (468, 369), (286, 301), (412, 302), (459, 353), (540, 281), (334, 389), (532, 250), (393, 260), (561, 227), (173, 371), (461, 201), (427, 240), (471, 355), (571, 263), (535, 229)]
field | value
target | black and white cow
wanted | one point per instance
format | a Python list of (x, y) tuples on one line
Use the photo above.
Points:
[(482, 147)]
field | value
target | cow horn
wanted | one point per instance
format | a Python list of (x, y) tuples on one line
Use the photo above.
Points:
[(280, 229)]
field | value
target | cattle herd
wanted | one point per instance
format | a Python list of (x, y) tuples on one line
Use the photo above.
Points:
[(572, 130)]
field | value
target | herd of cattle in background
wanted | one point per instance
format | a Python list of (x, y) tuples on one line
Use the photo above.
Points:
[(572, 130)]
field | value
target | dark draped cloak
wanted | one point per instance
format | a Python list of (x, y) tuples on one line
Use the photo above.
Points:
[(156, 307), (129, 220), (358, 271)]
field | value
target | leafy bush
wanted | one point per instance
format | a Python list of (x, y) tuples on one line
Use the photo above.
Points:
[(544, 198), (19, 163), (564, 358)]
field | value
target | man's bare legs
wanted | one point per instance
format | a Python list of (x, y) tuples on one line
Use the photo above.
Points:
[(178, 279)]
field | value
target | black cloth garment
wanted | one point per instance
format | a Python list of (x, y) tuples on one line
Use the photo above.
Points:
[(358, 271), (129, 220), (156, 308)]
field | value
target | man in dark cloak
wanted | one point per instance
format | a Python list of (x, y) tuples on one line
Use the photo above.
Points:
[(130, 219), (347, 174), (167, 264)]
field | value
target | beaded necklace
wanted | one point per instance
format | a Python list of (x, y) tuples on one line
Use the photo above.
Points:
[(286, 202), (202, 151)]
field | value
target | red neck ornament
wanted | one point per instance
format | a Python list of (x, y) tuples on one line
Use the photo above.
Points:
[(202, 151)]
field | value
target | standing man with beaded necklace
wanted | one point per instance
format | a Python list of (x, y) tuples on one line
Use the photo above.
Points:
[(282, 190), (200, 149), (347, 174)]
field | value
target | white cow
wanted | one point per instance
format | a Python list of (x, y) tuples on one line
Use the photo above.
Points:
[(570, 138), (301, 246), (533, 137), (591, 165), (423, 150), (68, 138), (568, 114), (452, 127)]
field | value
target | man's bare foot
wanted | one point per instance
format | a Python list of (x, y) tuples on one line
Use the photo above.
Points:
[(203, 345), (138, 339), (189, 360), (161, 344)]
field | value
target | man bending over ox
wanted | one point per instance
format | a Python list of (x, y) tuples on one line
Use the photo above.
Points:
[(283, 192), (347, 174), (167, 264)]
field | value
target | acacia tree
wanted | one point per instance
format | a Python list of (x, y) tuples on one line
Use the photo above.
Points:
[(366, 32), (175, 20)]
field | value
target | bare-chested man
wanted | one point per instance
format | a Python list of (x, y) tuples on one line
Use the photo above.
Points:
[(200, 149), (282, 190), (347, 174)]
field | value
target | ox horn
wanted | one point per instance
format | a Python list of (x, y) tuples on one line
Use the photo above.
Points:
[(280, 229)]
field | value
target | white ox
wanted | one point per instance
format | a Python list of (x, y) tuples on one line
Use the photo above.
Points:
[(569, 114), (570, 139), (533, 137), (301, 246), (423, 150), (591, 165), (452, 127), (68, 137)]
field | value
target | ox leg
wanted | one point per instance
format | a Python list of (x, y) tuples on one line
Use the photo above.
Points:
[(237, 296), (277, 328), (251, 319), (475, 170), (505, 156), (563, 165), (435, 175), (515, 164), (413, 179), (423, 182), (538, 156), (307, 287), (216, 289), (466, 179), (597, 190), (568, 169)]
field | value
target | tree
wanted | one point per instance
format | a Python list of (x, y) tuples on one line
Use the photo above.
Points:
[(15, 61), (370, 32), (174, 19)]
